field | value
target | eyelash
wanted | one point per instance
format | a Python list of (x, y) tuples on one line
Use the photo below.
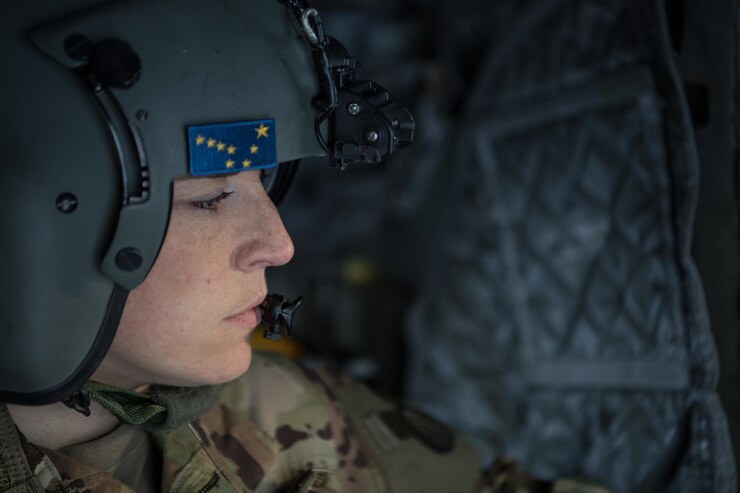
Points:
[(211, 204)]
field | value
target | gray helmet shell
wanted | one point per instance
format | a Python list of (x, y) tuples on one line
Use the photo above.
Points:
[(111, 155)]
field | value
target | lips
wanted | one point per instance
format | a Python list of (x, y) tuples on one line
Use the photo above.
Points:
[(249, 317)]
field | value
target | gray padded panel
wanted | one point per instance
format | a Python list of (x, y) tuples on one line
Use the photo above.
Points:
[(562, 314)]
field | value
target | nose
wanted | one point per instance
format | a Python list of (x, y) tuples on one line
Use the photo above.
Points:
[(267, 242)]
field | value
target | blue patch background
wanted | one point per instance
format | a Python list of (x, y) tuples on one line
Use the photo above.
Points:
[(206, 160)]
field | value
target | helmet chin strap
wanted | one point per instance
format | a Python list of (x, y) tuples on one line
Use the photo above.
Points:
[(158, 409), (14, 468)]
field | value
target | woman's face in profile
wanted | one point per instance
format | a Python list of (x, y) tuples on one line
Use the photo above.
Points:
[(190, 321)]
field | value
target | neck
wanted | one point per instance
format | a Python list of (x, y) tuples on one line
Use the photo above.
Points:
[(56, 426)]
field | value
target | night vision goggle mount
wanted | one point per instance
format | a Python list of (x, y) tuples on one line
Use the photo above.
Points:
[(366, 124)]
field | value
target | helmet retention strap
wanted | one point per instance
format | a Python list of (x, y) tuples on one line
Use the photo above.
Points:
[(15, 473)]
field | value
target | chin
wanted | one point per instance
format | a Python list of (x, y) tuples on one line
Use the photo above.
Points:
[(229, 367)]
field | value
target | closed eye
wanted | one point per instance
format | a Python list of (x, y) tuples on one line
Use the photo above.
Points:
[(211, 204)]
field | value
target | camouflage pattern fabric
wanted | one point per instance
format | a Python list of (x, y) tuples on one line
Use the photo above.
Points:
[(285, 428)]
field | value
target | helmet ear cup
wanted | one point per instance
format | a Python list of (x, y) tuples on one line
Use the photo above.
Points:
[(277, 181)]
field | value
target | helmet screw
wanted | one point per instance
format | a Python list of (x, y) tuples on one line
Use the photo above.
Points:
[(142, 115), (66, 202), (129, 259), (114, 63), (372, 136), (78, 47), (354, 108)]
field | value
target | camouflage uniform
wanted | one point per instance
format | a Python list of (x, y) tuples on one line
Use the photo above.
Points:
[(285, 428)]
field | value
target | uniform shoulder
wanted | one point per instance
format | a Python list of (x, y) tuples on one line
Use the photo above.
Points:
[(272, 382), (414, 451), (299, 413), (275, 384)]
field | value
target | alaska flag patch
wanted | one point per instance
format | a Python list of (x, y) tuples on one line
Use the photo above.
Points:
[(231, 147)]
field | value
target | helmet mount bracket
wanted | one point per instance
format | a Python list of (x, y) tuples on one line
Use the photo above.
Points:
[(366, 124)]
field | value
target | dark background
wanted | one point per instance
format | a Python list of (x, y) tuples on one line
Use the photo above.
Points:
[(363, 235), (552, 267)]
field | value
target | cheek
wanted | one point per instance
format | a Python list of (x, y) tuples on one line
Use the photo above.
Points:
[(191, 258), (172, 330), (179, 289)]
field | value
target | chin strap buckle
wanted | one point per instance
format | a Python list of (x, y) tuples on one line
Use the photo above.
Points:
[(277, 315), (79, 401)]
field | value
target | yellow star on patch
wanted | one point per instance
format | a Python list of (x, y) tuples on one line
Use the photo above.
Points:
[(220, 146), (231, 149), (199, 140), (254, 149), (211, 142), (230, 163), (262, 130), (246, 163)]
